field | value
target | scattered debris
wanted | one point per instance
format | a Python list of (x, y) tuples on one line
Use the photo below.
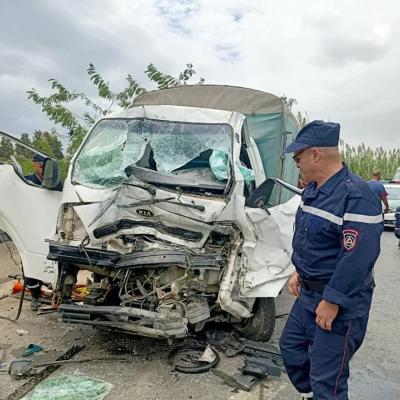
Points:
[(208, 355), (262, 359), (71, 387), (31, 348), (265, 350), (237, 381), (22, 367), (31, 383), (228, 342), (22, 332), (190, 359), (260, 367)]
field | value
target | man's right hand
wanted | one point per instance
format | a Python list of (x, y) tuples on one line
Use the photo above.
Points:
[(294, 284)]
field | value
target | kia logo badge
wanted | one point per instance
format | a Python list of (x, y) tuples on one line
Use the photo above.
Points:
[(144, 213)]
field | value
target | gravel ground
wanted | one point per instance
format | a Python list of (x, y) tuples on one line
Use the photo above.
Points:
[(147, 374)]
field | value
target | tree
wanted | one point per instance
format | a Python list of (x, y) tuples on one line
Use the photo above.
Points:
[(55, 106), (6, 148), (362, 160), (48, 142), (22, 151)]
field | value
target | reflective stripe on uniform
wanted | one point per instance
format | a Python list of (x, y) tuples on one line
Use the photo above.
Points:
[(323, 214), (366, 219), (33, 286)]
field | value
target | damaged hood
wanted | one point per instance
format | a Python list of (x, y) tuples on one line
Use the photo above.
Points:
[(179, 219)]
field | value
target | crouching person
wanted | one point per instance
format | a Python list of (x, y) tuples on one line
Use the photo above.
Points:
[(335, 246), (34, 286)]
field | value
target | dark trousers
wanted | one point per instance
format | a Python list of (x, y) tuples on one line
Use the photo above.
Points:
[(34, 285), (316, 360)]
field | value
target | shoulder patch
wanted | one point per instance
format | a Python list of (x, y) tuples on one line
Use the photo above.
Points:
[(350, 238)]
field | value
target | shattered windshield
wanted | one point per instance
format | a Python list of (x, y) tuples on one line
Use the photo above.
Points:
[(168, 148)]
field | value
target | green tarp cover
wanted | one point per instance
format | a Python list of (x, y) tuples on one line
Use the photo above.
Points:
[(272, 133)]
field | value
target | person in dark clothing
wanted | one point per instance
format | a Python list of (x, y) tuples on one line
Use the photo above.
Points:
[(335, 246), (37, 164), (35, 285), (378, 188)]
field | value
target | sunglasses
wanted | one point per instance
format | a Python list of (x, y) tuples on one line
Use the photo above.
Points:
[(296, 157)]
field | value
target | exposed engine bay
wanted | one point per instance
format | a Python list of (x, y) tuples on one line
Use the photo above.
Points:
[(155, 290)]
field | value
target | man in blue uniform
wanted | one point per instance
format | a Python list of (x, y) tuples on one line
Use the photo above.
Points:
[(37, 164), (335, 246)]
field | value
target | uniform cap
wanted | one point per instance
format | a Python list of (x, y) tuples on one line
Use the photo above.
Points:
[(38, 158), (315, 134)]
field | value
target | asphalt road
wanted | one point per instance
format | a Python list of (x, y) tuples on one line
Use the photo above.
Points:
[(147, 374)]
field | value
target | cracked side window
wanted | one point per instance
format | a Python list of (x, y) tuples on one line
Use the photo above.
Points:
[(163, 146)]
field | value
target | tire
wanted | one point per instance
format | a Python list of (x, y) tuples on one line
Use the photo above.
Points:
[(261, 325)]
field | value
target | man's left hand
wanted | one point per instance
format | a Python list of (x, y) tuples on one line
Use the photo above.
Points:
[(326, 314)]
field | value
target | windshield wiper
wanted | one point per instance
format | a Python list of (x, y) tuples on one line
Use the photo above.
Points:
[(144, 202), (149, 188), (189, 205)]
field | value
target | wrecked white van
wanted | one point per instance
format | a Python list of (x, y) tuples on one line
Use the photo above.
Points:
[(168, 205)]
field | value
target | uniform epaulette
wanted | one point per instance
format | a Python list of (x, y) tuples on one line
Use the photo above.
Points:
[(358, 188), (354, 190)]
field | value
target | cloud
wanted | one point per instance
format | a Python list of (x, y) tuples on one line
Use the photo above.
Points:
[(340, 61)]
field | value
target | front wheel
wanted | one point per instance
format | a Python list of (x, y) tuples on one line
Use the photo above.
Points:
[(261, 325)]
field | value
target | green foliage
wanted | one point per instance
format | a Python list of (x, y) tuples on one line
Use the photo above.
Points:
[(26, 165), (21, 151), (48, 142), (6, 148), (163, 81), (56, 105), (64, 165), (362, 160)]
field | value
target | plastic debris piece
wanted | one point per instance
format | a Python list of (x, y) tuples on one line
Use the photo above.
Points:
[(260, 367), (20, 367), (22, 332), (237, 381), (67, 387), (32, 348), (186, 359), (208, 355)]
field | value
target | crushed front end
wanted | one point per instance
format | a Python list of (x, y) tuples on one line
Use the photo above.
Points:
[(155, 210)]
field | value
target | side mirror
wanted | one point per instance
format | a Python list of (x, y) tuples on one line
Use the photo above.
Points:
[(51, 175), (261, 196)]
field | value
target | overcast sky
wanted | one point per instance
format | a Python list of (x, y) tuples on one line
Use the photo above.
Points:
[(339, 59)]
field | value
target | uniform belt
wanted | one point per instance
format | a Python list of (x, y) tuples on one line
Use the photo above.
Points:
[(313, 285)]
